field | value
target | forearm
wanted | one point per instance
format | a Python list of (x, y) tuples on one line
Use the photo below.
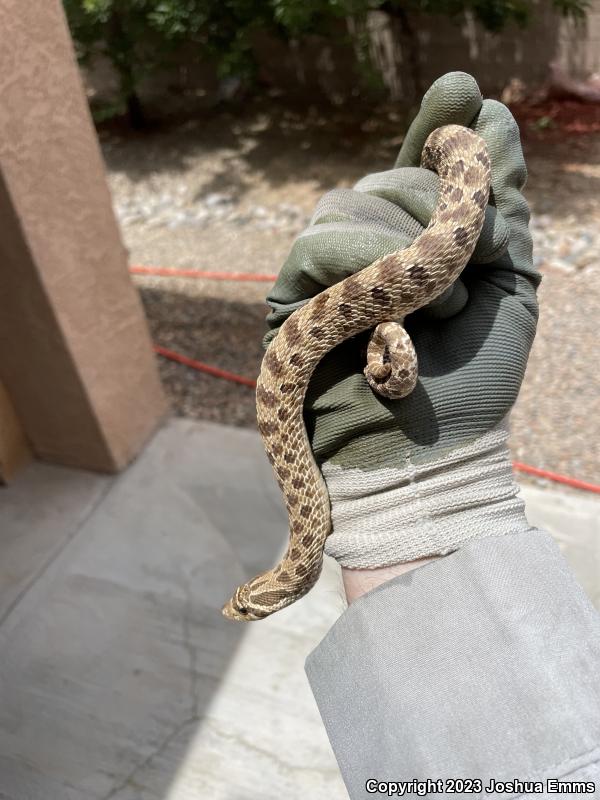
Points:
[(482, 664), (360, 581)]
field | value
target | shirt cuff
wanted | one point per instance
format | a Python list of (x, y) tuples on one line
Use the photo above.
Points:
[(481, 665)]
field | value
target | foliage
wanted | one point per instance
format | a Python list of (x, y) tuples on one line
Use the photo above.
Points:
[(139, 36), (300, 16)]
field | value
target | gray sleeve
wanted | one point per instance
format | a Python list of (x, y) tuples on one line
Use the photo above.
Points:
[(484, 664)]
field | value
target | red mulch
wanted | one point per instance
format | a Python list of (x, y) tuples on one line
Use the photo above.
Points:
[(552, 119)]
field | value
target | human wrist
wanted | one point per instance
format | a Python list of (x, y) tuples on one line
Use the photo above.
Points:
[(360, 581)]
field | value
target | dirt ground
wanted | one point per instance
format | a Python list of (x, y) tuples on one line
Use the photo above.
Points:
[(231, 192)]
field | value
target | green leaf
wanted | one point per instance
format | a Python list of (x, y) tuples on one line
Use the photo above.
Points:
[(140, 36)]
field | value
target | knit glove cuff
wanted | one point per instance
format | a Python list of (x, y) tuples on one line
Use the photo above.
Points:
[(406, 512)]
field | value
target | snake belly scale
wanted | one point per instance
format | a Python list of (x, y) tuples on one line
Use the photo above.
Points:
[(379, 297)]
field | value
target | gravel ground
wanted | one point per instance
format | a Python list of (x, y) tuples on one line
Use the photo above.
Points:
[(231, 193)]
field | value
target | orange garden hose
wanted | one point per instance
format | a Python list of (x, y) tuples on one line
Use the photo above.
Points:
[(575, 483), (202, 367)]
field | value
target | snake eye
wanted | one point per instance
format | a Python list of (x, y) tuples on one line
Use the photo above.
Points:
[(243, 610)]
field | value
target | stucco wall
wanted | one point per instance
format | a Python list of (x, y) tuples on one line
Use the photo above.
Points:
[(75, 352)]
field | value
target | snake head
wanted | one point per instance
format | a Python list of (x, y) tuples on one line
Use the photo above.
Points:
[(239, 607)]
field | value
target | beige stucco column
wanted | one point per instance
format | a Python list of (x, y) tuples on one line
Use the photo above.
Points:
[(75, 354)]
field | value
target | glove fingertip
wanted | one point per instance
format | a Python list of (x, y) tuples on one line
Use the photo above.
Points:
[(453, 99), (456, 90), (497, 126)]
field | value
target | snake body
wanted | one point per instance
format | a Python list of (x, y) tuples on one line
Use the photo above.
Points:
[(379, 297)]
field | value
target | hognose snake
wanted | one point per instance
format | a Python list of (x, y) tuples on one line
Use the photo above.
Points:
[(378, 297)]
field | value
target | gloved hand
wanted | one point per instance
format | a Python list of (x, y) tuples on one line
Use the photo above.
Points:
[(418, 476)]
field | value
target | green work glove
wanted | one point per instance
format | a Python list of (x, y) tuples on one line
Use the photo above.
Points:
[(419, 476)]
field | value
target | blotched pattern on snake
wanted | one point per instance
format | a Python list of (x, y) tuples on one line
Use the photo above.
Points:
[(379, 296)]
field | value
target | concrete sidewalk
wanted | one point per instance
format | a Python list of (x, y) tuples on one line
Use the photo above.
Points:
[(120, 680)]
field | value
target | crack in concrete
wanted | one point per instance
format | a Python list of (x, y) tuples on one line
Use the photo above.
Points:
[(191, 650), (194, 675), (236, 738), (58, 552), (156, 752)]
